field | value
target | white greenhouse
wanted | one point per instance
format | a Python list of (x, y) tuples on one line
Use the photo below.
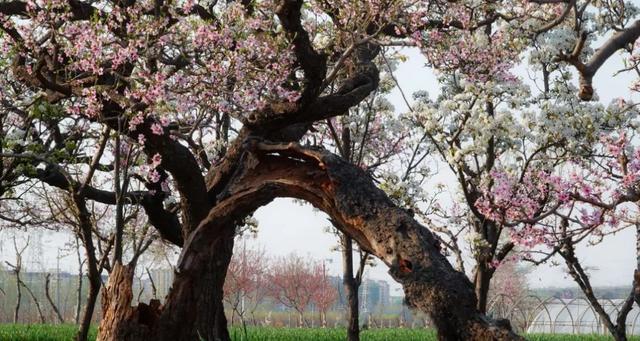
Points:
[(531, 314), (576, 316)]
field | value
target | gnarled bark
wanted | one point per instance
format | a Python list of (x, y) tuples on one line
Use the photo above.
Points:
[(116, 301), (194, 309), (121, 321), (361, 210)]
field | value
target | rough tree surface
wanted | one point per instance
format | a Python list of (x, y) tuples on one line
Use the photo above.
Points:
[(197, 113)]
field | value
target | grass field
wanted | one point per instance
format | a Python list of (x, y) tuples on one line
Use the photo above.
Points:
[(39, 332), (66, 332)]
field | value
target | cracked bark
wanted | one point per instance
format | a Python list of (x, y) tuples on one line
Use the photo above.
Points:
[(362, 211), (249, 178)]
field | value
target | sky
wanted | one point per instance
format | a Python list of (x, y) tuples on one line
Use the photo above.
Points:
[(287, 226)]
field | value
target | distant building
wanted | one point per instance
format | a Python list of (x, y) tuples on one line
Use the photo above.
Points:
[(385, 292), (162, 279), (372, 294)]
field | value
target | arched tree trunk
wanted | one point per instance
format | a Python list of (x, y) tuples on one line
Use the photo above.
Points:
[(363, 212)]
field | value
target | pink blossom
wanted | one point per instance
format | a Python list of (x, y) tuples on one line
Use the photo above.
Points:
[(135, 121), (157, 129), (156, 160), (164, 121)]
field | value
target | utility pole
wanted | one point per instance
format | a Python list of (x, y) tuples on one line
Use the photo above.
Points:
[(324, 293), (244, 269), (58, 279), (365, 289)]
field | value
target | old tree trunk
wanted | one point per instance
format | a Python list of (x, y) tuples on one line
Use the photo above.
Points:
[(193, 307), (262, 163)]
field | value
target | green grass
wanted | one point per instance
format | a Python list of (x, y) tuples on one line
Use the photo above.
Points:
[(38, 332), (330, 334)]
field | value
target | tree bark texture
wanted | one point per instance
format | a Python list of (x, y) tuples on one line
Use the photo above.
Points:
[(361, 210), (121, 321), (482, 282), (351, 291)]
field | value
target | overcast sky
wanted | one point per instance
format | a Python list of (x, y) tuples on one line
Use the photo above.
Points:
[(287, 226)]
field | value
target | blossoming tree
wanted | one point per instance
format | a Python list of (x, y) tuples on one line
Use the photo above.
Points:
[(216, 97), (246, 281), (507, 138), (297, 283)]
